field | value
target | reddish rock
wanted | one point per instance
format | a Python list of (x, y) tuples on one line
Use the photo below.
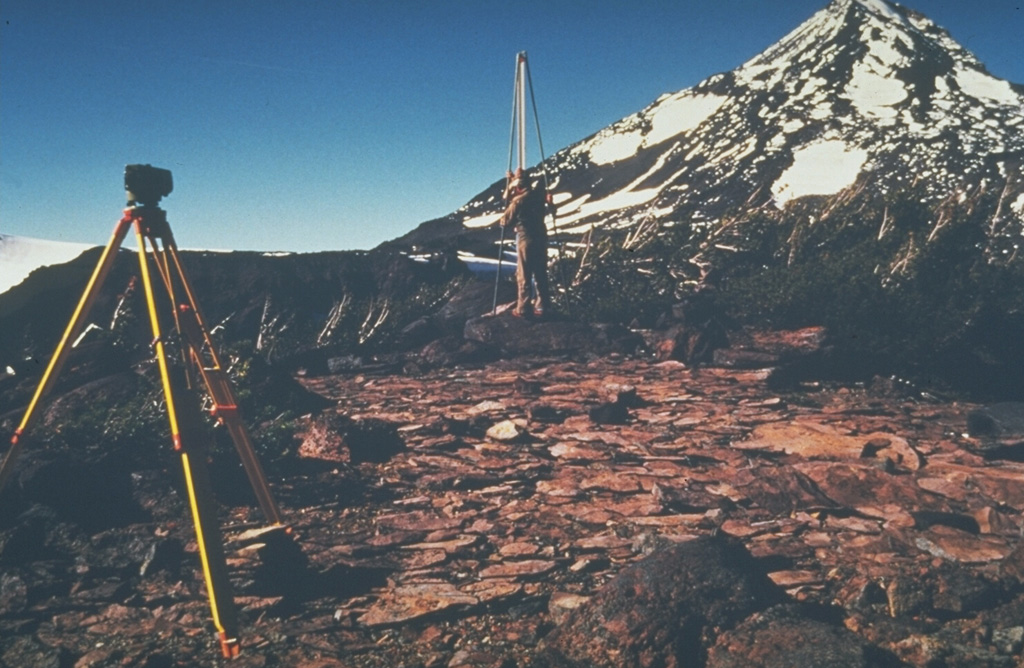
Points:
[(813, 440), (408, 602)]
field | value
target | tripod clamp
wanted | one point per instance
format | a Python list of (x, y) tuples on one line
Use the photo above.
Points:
[(152, 219)]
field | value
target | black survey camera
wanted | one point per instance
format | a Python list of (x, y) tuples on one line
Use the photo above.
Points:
[(144, 185)]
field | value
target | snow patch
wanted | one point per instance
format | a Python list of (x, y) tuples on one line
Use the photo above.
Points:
[(681, 113), (885, 51), (610, 146), (792, 125), (622, 199), (824, 168), (883, 8), (821, 112), (1017, 206), (874, 94), (669, 116), (737, 152), (486, 266), (483, 220), (980, 85)]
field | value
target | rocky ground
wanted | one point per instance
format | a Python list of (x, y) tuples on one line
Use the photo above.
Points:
[(567, 510)]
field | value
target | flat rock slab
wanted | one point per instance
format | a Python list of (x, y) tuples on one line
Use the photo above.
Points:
[(408, 602), (814, 440), (527, 568)]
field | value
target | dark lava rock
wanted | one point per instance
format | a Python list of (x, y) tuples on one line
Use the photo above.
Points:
[(1000, 427), (692, 344), (454, 350), (1003, 420), (273, 385), (693, 330), (13, 594), (665, 610), (472, 301), (783, 637), (521, 336), (612, 412)]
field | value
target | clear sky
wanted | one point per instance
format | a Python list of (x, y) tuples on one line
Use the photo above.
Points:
[(338, 124)]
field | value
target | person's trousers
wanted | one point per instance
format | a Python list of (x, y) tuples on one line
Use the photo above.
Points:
[(532, 268)]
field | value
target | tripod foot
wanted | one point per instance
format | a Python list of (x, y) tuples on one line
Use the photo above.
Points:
[(229, 647)]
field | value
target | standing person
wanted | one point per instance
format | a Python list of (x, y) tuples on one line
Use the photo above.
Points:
[(528, 204)]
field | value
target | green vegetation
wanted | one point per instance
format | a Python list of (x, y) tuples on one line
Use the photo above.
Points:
[(121, 414)]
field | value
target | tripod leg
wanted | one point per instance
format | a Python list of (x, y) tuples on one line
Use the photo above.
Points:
[(189, 443), (204, 517), (227, 410), (60, 355), (218, 384)]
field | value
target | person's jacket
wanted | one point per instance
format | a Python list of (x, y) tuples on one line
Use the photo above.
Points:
[(526, 211)]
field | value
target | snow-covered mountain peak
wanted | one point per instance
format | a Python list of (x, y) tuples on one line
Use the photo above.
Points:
[(864, 93)]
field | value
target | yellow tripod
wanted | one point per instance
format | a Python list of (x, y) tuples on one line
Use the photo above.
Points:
[(156, 246)]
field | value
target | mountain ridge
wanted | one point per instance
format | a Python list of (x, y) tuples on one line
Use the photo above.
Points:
[(868, 89)]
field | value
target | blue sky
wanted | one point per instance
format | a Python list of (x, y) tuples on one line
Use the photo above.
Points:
[(326, 125)]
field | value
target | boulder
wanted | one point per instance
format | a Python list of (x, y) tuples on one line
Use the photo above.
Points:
[(339, 438), (795, 355), (471, 301), (692, 331), (665, 610), (784, 637), (1002, 420), (692, 344), (520, 336), (999, 429), (453, 350)]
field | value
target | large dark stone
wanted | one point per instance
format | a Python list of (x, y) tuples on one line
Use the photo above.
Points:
[(334, 437), (783, 637), (665, 610), (1003, 420), (454, 350), (520, 336), (692, 331), (473, 300), (1000, 428), (692, 344)]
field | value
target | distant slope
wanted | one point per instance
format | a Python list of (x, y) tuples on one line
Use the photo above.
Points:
[(20, 256)]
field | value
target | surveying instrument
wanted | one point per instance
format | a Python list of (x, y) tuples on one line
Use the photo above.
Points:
[(523, 85), (145, 186)]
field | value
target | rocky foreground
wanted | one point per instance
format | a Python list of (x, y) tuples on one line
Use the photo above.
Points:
[(567, 511)]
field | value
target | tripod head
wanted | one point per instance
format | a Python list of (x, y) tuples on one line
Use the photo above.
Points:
[(145, 185)]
